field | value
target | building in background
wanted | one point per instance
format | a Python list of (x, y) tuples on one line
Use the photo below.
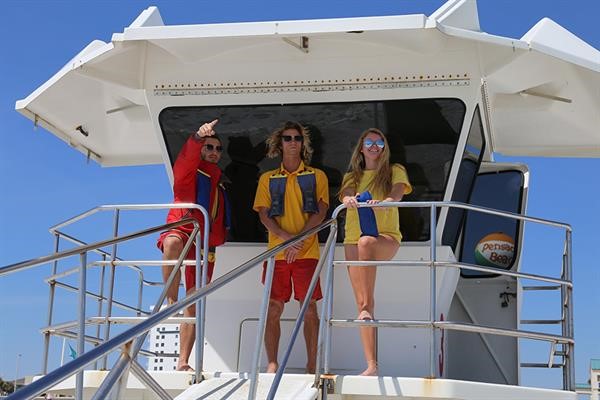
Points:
[(592, 388), (164, 340)]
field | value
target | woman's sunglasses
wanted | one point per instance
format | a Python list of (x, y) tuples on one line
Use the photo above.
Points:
[(298, 138), (211, 147), (379, 143)]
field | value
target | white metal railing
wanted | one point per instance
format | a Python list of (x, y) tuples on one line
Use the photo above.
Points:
[(114, 261), (133, 345), (133, 338), (82, 251), (564, 282)]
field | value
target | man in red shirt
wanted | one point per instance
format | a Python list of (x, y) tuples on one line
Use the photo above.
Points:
[(196, 180)]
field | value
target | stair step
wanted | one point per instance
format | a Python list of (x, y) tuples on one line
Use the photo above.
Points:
[(542, 287), (541, 365), (354, 323), (235, 386), (541, 321)]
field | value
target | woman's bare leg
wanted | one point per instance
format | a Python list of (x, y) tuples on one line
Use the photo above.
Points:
[(369, 248)]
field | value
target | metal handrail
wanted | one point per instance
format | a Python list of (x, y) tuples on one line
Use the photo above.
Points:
[(456, 204), (122, 207), (201, 276), (565, 283), (99, 251), (114, 260), (461, 265), (34, 262), (299, 320), (82, 251), (58, 234), (95, 296), (98, 352), (77, 365)]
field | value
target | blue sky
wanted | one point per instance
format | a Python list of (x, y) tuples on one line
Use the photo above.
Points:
[(44, 182)]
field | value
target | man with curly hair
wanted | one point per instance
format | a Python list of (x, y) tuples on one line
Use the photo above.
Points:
[(290, 200)]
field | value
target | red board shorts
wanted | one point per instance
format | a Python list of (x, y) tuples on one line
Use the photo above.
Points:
[(299, 273), (190, 270)]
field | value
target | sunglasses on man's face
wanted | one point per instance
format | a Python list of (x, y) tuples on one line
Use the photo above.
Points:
[(211, 147), (297, 138), (379, 143)]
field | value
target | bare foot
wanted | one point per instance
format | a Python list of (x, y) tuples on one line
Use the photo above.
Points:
[(272, 367), (185, 368), (365, 315), (371, 369)]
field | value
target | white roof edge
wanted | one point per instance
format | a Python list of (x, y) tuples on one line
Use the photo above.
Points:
[(553, 39), (272, 28), (149, 17), (91, 51), (21, 108), (459, 14), (582, 62), (482, 37)]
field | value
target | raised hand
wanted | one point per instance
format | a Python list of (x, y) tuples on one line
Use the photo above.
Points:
[(207, 129)]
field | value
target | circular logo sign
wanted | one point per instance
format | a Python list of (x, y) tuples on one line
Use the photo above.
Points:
[(495, 250)]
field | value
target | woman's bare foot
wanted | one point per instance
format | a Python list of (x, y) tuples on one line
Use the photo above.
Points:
[(365, 315), (371, 369), (272, 367)]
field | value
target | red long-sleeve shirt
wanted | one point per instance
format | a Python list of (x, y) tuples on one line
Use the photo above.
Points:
[(187, 167)]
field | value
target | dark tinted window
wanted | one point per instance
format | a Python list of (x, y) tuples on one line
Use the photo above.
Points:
[(467, 172), (488, 239), (423, 135)]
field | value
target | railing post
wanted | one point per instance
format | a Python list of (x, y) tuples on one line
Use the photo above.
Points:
[(140, 294), (262, 322), (201, 240), (325, 317), (100, 297), (81, 322), (300, 319), (201, 278), (50, 308), (111, 284), (432, 288), (569, 307), (328, 330), (564, 319)]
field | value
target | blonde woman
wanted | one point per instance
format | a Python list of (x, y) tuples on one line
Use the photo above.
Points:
[(370, 170)]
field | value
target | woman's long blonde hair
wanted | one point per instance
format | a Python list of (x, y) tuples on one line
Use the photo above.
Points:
[(382, 180)]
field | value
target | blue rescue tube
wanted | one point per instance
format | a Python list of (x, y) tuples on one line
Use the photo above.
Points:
[(366, 217)]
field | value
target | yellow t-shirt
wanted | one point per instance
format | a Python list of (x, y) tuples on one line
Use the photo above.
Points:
[(294, 219), (387, 218)]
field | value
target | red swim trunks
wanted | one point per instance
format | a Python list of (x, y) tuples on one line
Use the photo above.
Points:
[(299, 273), (190, 270)]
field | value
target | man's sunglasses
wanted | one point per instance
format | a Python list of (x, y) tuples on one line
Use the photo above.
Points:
[(298, 138), (379, 143), (211, 147)]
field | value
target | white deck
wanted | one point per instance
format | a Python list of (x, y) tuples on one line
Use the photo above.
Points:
[(299, 387), (361, 387), (232, 387)]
